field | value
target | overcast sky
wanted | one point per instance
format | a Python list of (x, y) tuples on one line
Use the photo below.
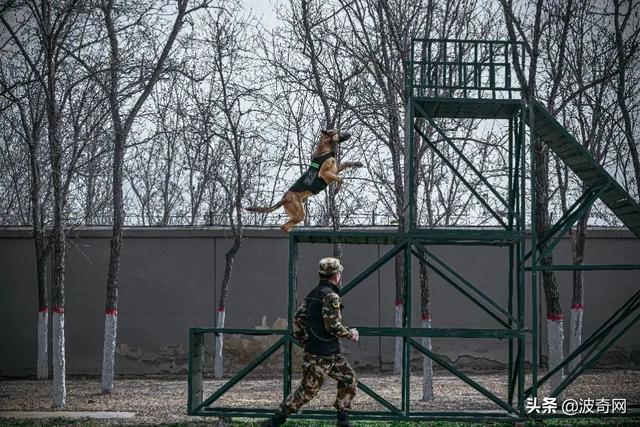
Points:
[(263, 10)]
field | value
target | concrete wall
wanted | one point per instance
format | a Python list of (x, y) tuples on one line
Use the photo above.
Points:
[(170, 281)]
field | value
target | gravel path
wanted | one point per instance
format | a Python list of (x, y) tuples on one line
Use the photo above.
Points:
[(164, 400)]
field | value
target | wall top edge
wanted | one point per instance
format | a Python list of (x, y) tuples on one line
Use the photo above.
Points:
[(248, 232)]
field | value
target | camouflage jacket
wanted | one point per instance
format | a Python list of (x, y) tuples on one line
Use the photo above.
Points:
[(331, 316)]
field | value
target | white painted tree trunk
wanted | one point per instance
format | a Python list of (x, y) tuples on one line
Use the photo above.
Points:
[(109, 350), (555, 337), (427, 365), (43, 349), (397, 356), (218, 364), (575, 338), (59, 386)]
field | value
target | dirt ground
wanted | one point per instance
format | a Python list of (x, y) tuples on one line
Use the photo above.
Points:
[(162, 400)]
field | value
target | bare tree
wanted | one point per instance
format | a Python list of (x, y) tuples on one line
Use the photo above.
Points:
[(27, 98), (591, 117), (531, 36), (229, 40), (119, 97), (627, 43), (51, 27)]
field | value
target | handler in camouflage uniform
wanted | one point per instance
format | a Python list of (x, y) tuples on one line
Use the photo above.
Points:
[(318, 325)]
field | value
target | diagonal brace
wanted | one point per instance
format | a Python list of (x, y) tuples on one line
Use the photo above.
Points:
[(449, 367), (583, 366), (466, 282), (463, 157), (460, 177), (567, 221), (381, 400), (241, 374), (595, 338), (373, 267)]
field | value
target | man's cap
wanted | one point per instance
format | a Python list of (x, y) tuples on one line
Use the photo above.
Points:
[(329, 266)]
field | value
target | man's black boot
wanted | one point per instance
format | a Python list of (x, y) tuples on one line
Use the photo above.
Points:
[(343, 419), (276, 420)]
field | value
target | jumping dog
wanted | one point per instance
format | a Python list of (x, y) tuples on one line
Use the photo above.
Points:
[(323, 170)]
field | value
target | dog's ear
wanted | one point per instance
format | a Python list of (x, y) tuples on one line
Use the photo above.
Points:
[(325, 132)]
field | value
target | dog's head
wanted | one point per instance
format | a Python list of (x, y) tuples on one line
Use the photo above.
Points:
[(333, 136)]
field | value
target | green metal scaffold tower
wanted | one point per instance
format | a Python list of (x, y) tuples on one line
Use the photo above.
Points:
[(448, 79)]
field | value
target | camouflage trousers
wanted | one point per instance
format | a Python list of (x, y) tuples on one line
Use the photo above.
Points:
[(315, 370)]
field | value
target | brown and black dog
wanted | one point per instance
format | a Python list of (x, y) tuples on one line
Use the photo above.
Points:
[(324, 170)]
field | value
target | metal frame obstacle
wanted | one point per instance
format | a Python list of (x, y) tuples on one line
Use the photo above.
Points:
[(462, 79)]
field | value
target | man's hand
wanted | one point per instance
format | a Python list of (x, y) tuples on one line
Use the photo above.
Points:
[(355, 335)]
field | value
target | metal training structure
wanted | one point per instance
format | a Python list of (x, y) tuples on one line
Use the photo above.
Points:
[(462, 79)]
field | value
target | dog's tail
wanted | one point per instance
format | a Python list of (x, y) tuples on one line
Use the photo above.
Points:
[(265, 210)]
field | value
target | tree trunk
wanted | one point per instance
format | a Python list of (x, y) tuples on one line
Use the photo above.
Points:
[(109, 349), (58, 240), (111, 306), (39, 240), (577, 302), (59, 383), (218, 343), (111, 303), (555, 328), (121, 131), (398, 310), (425, 311), (230, 256), (43, 338)]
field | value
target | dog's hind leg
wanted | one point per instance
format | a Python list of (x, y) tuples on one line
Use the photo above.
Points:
[(295, 211)]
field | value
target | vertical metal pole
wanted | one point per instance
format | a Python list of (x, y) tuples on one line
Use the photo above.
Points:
[(430, 69), (460, 45), (409, 161), (492, 71), (477, 75), (511, 258), (291, 302), (409, 224), (196, 353), (521, 251), (534, 256), (444, 65), (406, 323)]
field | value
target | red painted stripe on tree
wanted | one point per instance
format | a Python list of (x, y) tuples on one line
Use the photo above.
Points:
[(555, 316), (577, 307), (220, 309), (111, 312), (59, 310), (399, 302), (426, 317), (43, 309)]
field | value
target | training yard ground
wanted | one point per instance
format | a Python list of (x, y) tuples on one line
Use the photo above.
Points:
[(162, 401)]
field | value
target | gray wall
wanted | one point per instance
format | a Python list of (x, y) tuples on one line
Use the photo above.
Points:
[(170, 280)]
